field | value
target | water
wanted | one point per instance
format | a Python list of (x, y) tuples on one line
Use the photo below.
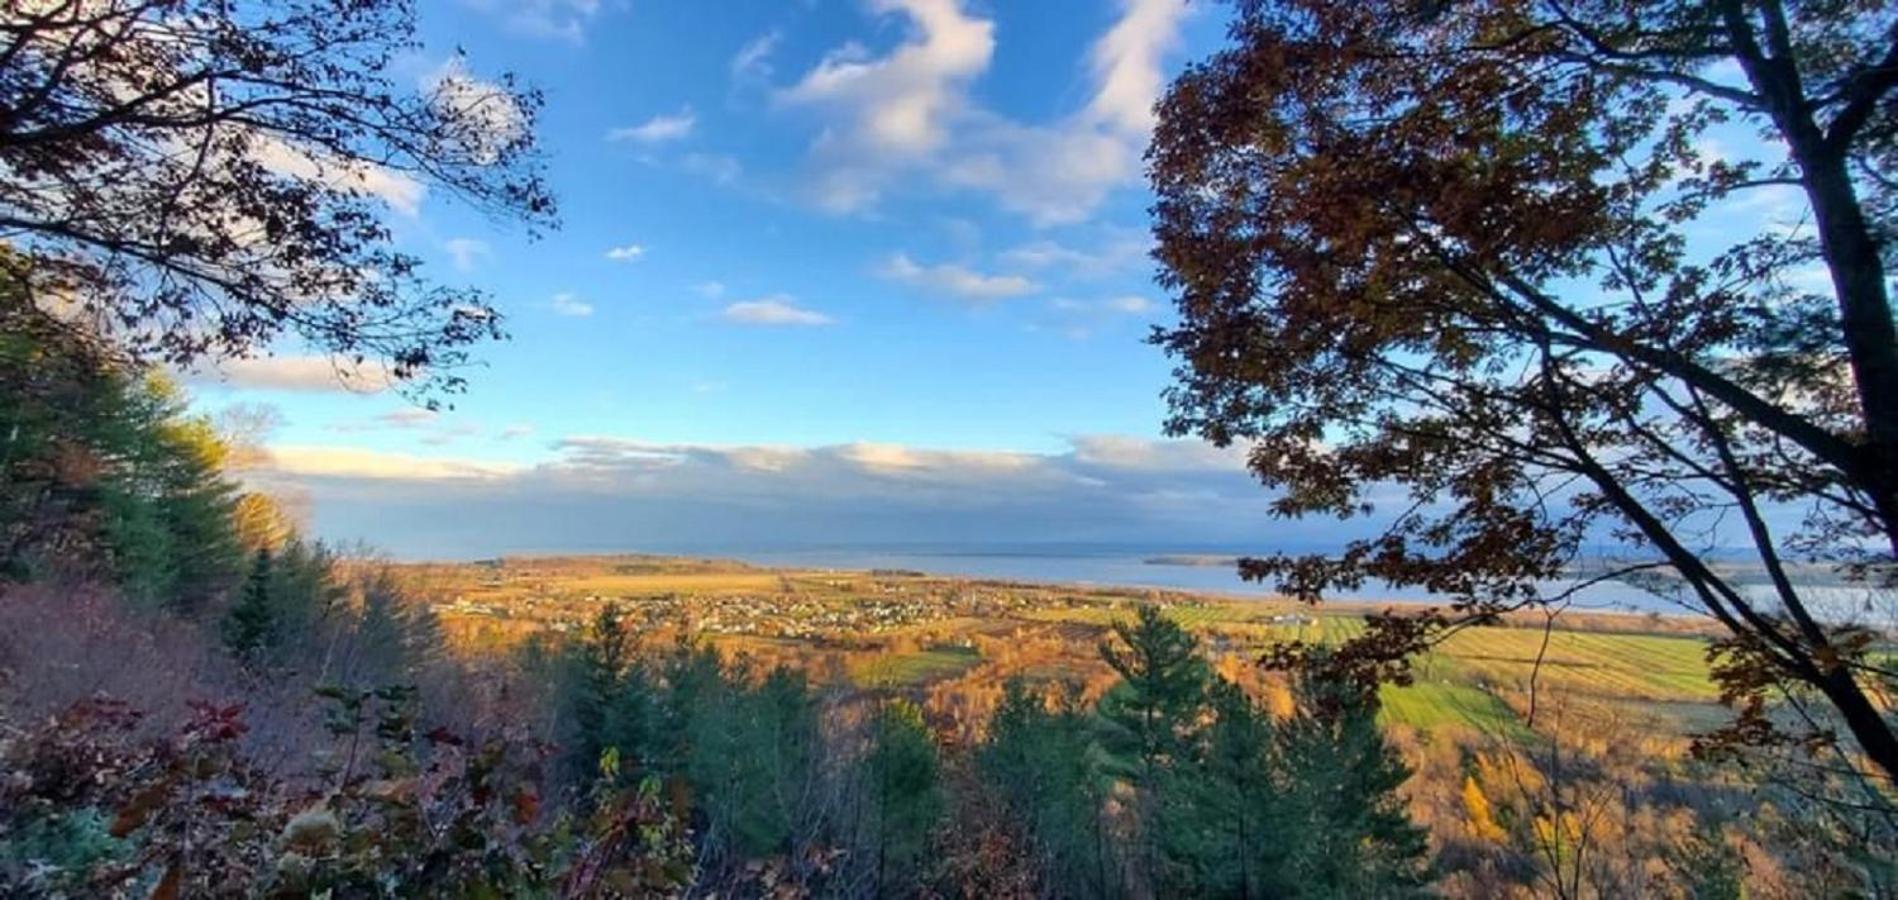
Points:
[(1124, 567)]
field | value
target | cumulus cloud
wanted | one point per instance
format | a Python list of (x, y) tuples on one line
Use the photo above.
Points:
[(909, 111), (297, 373), (567, 304), (401, 192), (960, 281), (658, 129), (778, 309), (487, 122), (626, 253), (606, 491)]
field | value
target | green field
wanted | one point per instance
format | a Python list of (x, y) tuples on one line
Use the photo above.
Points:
[(1463, 681), (1429, 705), (910, 669)]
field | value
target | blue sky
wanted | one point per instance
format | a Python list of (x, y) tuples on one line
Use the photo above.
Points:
[(831, 271)]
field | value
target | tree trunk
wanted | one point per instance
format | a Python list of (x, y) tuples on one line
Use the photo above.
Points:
[(1858, 278), (1863, 718)]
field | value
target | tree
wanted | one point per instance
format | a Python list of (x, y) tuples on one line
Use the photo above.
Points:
[(1048, 771), (251, 628), (1485, 251), (904, 776), (104, 473), (1346, 825), (200, 176), (1226, 835), (1151, 712), (1150, 718)]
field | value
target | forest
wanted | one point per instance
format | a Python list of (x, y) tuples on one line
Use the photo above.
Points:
[(1444, 248)]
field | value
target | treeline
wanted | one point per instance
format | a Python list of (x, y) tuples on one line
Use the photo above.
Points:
[(1176, 783)]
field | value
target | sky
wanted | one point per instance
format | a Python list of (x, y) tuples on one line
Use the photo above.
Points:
[(842, 271)]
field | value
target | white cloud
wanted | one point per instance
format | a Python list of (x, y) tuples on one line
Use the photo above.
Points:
[(1080, 319), (1122, 452), (752, 62), (518, 429), (401, 192), (435, 428), (297, 373), (958, 280), (774, 310), (1126, 64), (626, 253), (659, 129), (355, 462), (1117, 254), (901, 103), (908, 112), (485, 121), (465, 252), (566, 304), (710, 289), (609, 492)]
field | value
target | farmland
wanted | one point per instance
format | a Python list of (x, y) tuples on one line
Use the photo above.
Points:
[(905, 631)]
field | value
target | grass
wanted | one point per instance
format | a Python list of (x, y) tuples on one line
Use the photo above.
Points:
[(911, 669), (1461, 683), (1428, 706)]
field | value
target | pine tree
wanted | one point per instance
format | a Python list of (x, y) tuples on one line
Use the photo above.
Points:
[(1149, 718), (904, 780), (1351, 834), (251, 627), (1222, 830), (1163, 688), (1048, 771)]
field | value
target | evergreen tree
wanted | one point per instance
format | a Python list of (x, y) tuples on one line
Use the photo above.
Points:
[(251, 628), (101, 471), (1222, 830), (1050, 774), (1351, 836), (1150, 717), (1150, 714), (609, 700), (904, 782), (394, 637)]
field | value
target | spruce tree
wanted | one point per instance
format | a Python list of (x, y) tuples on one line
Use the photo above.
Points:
[(251, 627), (1351, 834), (1222, 829), (1049, 772), (1148, 718), (905, 784), (1161, 693)]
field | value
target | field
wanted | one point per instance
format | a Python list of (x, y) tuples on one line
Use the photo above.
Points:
[(912, 632), (1470, 678), (914, 668)]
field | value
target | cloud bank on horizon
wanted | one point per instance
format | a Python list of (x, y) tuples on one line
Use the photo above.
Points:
[(613, 493)]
